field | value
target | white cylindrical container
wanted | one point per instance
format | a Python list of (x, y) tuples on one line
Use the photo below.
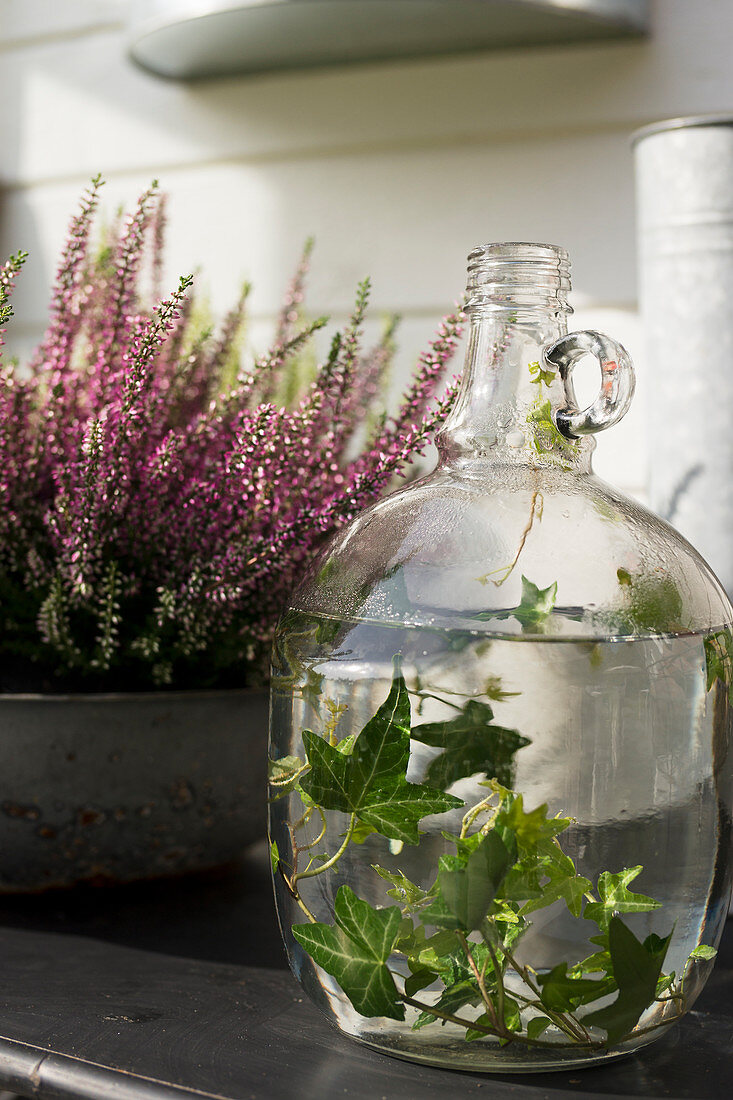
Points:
[(684, 178)]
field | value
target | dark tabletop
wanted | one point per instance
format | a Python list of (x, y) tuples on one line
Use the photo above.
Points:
[(180, 989)]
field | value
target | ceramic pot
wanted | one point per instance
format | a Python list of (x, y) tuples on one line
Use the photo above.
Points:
[(130, 786)]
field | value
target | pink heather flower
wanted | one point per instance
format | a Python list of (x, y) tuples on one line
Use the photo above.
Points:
[(158, 501)]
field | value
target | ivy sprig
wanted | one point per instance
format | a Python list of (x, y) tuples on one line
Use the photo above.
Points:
[(447, 950), (355, 950), (719, 660), (368, 781), (546, 437)]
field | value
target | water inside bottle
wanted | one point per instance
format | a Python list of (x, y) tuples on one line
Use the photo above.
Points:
[(626, 736)]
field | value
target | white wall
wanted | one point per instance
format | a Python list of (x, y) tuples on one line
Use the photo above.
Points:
[(397, 169)]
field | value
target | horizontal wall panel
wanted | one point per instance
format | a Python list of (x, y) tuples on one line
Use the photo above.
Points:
[(81, 106), (28, 21), (406, 219)]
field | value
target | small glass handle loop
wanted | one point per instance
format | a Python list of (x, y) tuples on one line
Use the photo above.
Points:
[(617, 382)]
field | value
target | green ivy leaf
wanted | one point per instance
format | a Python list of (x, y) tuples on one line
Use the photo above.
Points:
[(702, 951), (512, 933), (696, 970), (533, 610), (355, 952), (572, 889), (370, 780), (340, 780), (284, 773), (468, 892), (444, 953), (536, 1026), (373, 929), (284, 768), (719, 659), (395, 810), (615, 897), (539, 374), (382, 749), (329, 780), (472, 745), (598, 962), (637, 968), (494, 691), (502, 911), (409, 936), (665, 982), (345, 745), (313, 687), (529, 828), (406, 892), (562, 992), (465, 845), (512, 1021), (523, 881), (327, 629), (650, 603), (438, 953), (361, 831), (536, 604), (439, 914), (551, 856), (419, 979), (452, 1000)]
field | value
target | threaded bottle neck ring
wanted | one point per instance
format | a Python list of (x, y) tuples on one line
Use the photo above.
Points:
[(518, 276)]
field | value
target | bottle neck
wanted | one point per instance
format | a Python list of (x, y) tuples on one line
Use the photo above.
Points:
[(503, 414)]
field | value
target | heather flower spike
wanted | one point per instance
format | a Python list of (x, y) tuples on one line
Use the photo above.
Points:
[(8, 273), (158, 498)]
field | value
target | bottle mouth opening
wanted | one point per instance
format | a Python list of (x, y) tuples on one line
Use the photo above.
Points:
[(518, 274)]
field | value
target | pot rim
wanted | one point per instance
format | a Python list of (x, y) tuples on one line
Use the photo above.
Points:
[(88, 697), (684, 122)]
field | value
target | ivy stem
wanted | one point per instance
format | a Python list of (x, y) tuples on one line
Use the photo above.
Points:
[(319, 838), (296, 896), (310, 872), (677, 997), (536, 507), (311, 917), (438, 699), (288, 779), (497, 1021), (470, 816), (565, 1023), (488, 934), (302, 820), (475, 1025), (530, 1002), (296, 852), (652, 1027)]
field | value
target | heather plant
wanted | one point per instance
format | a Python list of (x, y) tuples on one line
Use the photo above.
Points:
[(158, 498)]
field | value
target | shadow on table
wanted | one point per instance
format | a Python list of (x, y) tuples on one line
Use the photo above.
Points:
[(232, 1029), (691, 1063), (226, 915), (218, 1014)]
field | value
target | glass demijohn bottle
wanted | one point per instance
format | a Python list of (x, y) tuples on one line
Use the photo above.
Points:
[(500, 804)]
